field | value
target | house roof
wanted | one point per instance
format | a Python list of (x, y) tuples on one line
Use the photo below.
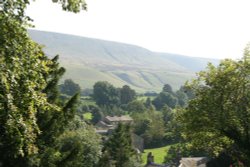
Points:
[(194, 161), (155, 165), (101, 131), (103, 124), (119, 119)]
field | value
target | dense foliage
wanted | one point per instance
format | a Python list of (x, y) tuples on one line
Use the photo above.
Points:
[(23, 72), (33, 120), (112, 100), (217, 119), (78, 145), (118, 150), (127, 94), (172, 99), (105, 94), (37, 128), (69, 87)]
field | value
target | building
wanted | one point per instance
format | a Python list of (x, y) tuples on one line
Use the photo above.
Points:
[(106, 126), (109, 122), (114, 120), (193, 162)]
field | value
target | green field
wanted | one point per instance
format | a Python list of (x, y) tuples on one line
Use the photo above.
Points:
[(87, 101), (144, 98), (141, 81), (158, 153), (87, 116)]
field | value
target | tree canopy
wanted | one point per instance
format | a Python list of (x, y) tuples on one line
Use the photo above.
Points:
[(127, 94), (22, 71), (118, 150), (17, 8), (69, 87), (165, 98), (105, 94), (218, 118), (27, 89)]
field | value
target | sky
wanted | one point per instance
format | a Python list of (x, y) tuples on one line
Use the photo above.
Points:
[(199, 28)]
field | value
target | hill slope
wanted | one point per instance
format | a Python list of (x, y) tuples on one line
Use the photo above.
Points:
[(90, 60)]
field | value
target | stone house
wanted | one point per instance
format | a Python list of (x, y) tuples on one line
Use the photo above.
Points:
[(114, 120), (106, 126), (110, 122), (193, 162)]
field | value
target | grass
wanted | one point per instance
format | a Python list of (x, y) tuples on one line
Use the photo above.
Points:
[(141, 81), (87, 101), (144, 98), (90, 60), (87, 116), (86, 77), (158, 153)]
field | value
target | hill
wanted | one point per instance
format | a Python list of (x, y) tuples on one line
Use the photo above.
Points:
[(90, 60)]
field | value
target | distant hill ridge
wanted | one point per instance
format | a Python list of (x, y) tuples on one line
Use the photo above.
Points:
[(89, 60)]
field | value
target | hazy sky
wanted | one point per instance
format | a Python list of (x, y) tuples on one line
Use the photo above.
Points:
[(201, 28)]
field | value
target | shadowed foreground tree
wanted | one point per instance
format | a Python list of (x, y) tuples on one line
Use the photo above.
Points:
[(25, 76), (218, 118), (22, 70)]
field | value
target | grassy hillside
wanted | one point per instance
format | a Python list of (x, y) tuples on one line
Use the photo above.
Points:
[(90, 60), (191, 63)]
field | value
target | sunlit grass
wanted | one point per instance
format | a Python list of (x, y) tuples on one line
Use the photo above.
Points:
[(87, 116), (158, 153)]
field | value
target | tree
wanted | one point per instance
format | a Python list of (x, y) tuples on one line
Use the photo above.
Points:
[(52, 80), (24, 77), (182, 98), (127, 94), (149, 124), (69, 87), (177, 151), (217, 119), (78, 146), (136, 106), (167, 88), (118, 149), (172, 124), (112, 110), (185, 89), (165, 98), (167, 113), (148, 102), (22, 70), (97, 115), (105, 94), (16, 9), (155, 131), (141, 123)]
